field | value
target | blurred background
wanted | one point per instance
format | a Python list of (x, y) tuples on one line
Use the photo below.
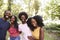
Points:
[(48, 9)]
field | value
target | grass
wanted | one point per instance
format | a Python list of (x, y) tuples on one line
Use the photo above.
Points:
[(53, 29), (47, 36)]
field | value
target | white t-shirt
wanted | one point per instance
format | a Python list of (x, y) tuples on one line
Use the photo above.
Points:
[(25, 31)]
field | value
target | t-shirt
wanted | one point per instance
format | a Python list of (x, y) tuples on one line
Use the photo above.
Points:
[(13, 31), (25, 31), (4, 25)]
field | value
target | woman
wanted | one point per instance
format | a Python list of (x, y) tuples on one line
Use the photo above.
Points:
[(13, 30), (26, 32), (36, 25)]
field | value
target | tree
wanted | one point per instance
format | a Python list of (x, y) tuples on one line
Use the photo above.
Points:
[(15, 9), (9, 4), (1, 3), (36, 6), (53, 9)]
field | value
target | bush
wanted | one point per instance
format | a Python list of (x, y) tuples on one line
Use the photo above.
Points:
[(52, 26)]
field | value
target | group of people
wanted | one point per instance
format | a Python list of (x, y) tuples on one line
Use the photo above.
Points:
[(29, 28)]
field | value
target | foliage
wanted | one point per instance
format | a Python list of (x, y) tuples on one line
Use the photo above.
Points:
[(33, 6), (53, 9), (1, 3), (48, 36), (15, 9), (36, 6), (52, 26)]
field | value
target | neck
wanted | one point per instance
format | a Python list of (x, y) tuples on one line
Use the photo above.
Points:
[(37, 26), (12, 23), (23, 22)]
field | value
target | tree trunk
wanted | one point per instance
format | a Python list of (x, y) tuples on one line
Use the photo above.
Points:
[(9, 5), (36, 12)]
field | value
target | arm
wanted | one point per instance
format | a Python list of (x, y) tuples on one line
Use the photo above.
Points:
[(41, 34), (19, 29)]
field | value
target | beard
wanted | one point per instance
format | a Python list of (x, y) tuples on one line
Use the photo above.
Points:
[(6, 17)]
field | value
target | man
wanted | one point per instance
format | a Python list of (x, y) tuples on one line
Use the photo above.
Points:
[(26, 32), (4, 25)]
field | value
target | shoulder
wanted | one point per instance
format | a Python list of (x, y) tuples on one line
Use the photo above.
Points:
[(27, 28), (8, 23), (42, 29), (19, 25), (0, 18), (26, 25)]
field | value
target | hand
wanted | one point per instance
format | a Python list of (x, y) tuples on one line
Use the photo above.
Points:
[(30, 38), (20, 32)]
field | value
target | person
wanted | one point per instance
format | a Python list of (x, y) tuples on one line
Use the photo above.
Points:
[(26, 32), (4, 24), (36, 25), (13, 30)]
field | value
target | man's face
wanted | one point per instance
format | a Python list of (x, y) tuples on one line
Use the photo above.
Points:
[(7, 15)]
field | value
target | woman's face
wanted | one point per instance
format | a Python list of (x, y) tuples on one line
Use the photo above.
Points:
[(12, 19), (23, 18), (33, 22)]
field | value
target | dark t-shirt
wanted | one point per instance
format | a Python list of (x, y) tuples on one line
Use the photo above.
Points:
[(4, 25)]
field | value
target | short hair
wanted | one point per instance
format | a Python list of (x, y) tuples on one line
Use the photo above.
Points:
[(22, 13), (39, 21), (6, 11)]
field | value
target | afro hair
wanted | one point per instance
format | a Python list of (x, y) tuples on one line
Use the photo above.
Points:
[(22, 13), (39, 21)]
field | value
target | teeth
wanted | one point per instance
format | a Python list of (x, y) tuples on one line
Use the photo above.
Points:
[(22, 19), (6, 16), (34, 24)]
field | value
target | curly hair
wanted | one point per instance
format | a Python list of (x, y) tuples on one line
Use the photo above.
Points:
[(22, 13), (39, 21), (29, 24)]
